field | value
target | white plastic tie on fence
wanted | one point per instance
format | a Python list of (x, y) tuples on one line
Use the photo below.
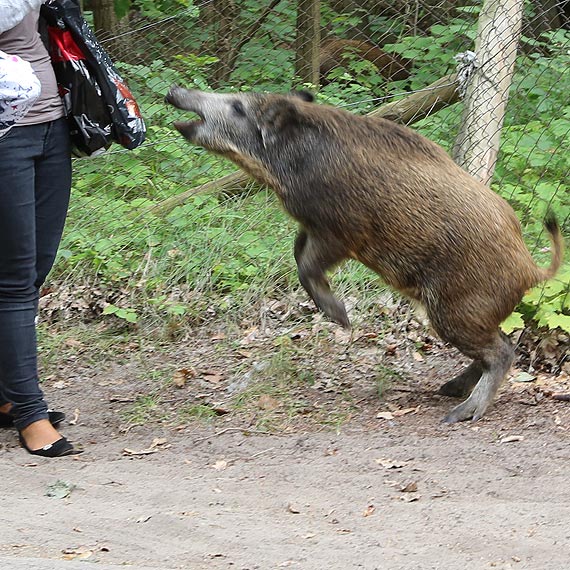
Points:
[(466, 65)]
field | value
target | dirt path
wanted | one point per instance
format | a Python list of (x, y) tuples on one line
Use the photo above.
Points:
[(308, 501), (385, 490)]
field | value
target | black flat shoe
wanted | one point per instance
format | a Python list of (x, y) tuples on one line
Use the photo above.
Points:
[(55, 418), (59, 448)]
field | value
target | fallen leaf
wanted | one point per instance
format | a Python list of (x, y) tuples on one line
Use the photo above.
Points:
[(122, 399), (367, 336), (523, 377), (249, 336), (342, 336), (128, 451), (390, 463), (369, 510), (410, 488), (220, 465), (182, 375), (213, 377), (410, 498), (511, 438), (60, 489), (267, 403), (158, 444), (405, 411), (75, 417), (74, 343), (80, 553), (293, 509), (218, 336), (385, 416)]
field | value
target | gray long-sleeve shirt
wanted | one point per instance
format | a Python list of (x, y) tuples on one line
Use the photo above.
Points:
[(24, 40)]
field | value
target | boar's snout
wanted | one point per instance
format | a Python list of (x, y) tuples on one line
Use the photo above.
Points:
[(171, 95), (180, 97)]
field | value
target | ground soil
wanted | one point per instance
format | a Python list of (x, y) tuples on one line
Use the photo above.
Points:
[(331, 457)]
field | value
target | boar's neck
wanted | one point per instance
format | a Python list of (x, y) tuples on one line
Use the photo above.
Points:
[(287, 169), (255, 168)]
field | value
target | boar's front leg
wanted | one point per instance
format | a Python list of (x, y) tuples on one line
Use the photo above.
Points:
[(314, 255)]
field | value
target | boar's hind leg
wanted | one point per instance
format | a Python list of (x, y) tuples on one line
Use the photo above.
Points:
[(314, 256), (496, 359), (462, 385)]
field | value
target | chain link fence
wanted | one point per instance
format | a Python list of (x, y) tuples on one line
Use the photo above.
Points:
[(167, 225)]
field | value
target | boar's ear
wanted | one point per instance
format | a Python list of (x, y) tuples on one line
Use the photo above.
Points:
[(277, 117), (304, 95)]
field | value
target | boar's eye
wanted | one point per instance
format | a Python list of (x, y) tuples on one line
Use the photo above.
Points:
[(238, 108)]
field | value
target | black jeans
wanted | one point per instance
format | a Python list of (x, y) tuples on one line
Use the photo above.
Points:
[(35, 183)]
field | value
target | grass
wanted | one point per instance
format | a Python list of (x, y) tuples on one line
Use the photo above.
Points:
[(145, 409), (196, 412), (92, 342), (384, 379)]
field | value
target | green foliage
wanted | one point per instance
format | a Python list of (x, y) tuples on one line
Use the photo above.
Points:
[(233, 249), (152, 8), (128, 315), (533, 169), (547, 306)]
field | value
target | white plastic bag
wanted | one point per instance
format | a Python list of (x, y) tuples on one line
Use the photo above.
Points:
[(19, 89)]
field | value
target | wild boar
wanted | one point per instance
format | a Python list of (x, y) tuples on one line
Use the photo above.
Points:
[(378, 192), (336, 52)]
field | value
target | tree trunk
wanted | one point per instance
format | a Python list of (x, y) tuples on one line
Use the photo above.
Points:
[(105, 19), (547, 16), (422, 103), (237, 41), (226, 14), (308, 40), (477, 143), (108, 29)]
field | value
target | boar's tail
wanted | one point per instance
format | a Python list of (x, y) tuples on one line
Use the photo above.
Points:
[(551, 225)]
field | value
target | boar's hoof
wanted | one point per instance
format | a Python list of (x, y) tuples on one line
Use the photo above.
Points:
[(344, 323), (336, 312), (465, 411)]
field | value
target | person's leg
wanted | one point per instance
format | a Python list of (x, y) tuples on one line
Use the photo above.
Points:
[(19, 150), (52, 191), (53, 186), (34, 193)]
